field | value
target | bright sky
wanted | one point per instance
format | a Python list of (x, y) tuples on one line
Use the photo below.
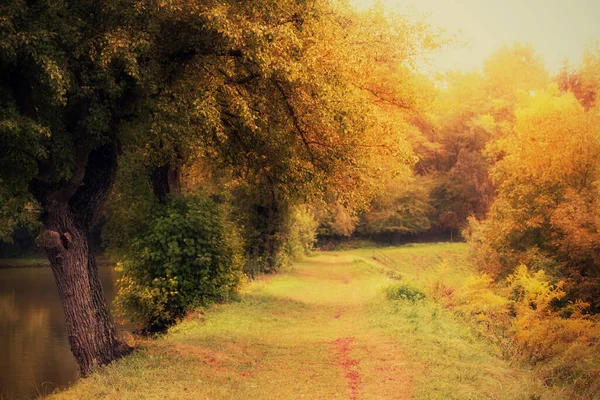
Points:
[(556, 28)]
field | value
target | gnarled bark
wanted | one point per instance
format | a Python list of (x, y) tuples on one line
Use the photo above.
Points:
[(68, 216)]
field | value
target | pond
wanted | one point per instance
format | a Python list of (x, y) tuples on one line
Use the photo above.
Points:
[(35, 357)]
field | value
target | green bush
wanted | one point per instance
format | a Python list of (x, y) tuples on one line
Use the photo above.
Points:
[(188, 256), (299, 235), (405, 292), (277, 232)]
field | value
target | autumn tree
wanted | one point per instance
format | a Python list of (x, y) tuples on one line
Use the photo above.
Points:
[(545, 212), (262, 87), (472, 109), (305, 110), (584, 80)]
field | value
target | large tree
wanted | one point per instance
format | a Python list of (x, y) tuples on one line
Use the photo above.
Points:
[(79, 80), (317, 99), (70, 83), (283, 91), (546, 210)]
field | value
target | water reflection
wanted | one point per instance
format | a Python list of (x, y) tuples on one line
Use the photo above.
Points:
[(34, 351)]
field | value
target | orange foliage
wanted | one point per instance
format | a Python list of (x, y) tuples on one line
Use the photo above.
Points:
[(546, 212)]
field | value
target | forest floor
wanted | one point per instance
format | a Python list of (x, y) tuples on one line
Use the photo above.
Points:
[(323, 329)]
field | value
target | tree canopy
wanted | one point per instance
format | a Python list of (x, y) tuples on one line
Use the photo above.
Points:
[(292, 96)]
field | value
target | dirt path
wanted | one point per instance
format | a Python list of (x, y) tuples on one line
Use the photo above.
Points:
[(320, 331), (372, 364)]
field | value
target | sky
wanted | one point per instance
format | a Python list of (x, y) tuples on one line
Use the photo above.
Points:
[(556, 28)]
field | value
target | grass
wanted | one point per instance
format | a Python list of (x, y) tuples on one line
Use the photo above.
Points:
[(23, 262), (38, 262), (323, 330)]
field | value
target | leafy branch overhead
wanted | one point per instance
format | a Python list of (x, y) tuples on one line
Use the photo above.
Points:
[(278, 93)]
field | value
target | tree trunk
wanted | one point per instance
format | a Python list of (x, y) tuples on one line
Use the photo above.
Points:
[(165, 180), (90, 328), (269, 225), (68, 218)]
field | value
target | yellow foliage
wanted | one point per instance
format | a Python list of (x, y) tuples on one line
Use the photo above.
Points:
[(521, 319), (563, 346), (532, 292)]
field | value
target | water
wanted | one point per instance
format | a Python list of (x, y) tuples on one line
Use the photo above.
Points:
[(34, 352)]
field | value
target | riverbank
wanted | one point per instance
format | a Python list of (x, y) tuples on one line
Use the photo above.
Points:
[(35, 357), (6, 263), (323, 329), (23, 263)]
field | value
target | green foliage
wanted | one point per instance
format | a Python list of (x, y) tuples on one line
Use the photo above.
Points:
[(129, 204), (299, 233), (403, 208), (72, 73), (404, 292), (18, 210), (276, 231), (187, 257)]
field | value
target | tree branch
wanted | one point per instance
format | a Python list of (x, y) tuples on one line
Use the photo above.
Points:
[(99, 177), (296, 122)]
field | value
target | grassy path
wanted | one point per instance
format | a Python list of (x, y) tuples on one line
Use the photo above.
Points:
[(323, 330)]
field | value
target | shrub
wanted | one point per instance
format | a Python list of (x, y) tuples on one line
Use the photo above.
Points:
[(563, 345), (276, 231), (299, 233), (187, 257), (523, 318), (528, 318), (405, 292)]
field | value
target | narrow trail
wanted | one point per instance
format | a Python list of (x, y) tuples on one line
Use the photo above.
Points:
[(354, 360), (320, 331), (342, 347), (367, 360)]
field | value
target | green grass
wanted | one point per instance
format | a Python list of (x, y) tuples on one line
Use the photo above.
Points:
[(37, 261), (23, 262), (323, 330)]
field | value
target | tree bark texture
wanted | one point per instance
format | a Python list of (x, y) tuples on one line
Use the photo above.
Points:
[(68, 216)]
